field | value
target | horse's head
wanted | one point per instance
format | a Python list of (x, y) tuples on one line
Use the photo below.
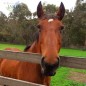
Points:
[(50, 38)]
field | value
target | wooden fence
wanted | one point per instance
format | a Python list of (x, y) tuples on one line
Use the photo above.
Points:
[(21, 56), (72, 62), (14, 82)]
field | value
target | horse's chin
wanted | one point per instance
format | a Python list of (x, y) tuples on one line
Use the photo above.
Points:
[(47, 73)]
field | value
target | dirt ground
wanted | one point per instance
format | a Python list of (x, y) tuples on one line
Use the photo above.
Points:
[(79, 77)]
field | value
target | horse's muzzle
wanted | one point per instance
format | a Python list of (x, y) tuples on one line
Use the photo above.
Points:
[(49, 69)]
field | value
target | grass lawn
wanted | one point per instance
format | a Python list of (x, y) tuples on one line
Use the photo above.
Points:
[(61, 78), (72, 52), (3, 46)]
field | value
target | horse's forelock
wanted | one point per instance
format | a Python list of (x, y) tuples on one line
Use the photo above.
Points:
[(50, 16)]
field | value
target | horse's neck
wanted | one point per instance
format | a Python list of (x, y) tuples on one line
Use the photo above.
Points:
[(35, 48)]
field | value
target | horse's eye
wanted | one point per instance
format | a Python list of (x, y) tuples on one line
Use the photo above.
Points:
[(38, 26), (62, 27)]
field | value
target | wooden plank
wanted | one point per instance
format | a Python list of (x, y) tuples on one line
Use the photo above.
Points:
[(16, 82), (73, 62), (21, 56)]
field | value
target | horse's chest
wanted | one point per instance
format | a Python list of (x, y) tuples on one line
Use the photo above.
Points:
[(30, 72)]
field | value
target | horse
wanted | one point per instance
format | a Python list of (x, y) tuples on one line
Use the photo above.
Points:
[(48, 44)]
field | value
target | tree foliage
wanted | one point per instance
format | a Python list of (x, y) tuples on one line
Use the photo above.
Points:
[(50, 8), (75, 26), (21, 11)]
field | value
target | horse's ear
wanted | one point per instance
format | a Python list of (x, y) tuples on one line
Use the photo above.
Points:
[(61, 11), (40, 12)]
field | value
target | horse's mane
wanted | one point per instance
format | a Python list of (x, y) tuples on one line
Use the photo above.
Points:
[(27, 47), (36, 36)]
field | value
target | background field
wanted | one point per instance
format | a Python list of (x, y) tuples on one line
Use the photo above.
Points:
[(62, 76)]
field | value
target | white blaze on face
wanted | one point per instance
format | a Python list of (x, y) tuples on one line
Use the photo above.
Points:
[(50, 20)]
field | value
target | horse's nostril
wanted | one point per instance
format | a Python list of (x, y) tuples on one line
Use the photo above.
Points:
[(44, 62)]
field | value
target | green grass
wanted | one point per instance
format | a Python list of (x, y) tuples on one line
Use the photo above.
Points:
[(61, 78), (3, 46), (72, 52)]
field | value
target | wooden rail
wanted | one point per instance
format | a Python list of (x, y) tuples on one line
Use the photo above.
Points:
[(66, 61), (21, 56), (73, 62), (16, 82)]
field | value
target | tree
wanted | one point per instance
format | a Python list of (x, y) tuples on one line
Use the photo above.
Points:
[(34, 14), (68, 20), (21, 11), (79, 24), (3, 21), (50, 8), (18, 23)]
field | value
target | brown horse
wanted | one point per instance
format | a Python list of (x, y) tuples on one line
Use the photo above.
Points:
[(48, 44)]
